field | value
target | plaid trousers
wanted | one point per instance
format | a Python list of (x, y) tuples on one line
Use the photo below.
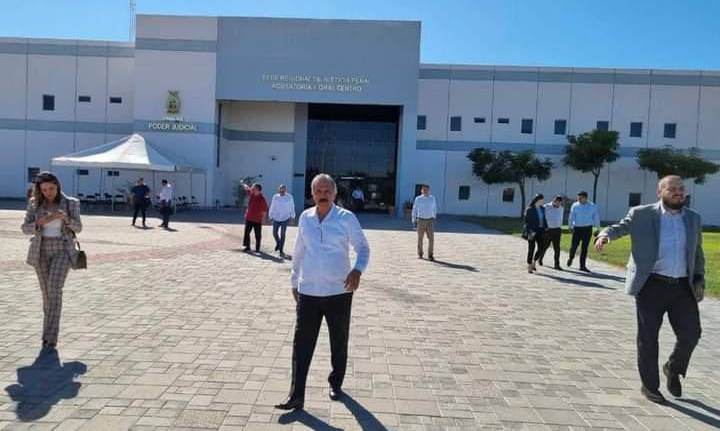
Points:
[(52, 272)]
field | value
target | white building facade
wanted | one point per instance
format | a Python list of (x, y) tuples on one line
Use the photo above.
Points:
[(281, 99)]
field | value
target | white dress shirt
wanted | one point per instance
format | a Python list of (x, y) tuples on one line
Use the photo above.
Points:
[(582, 215), (554, 215), (671, 260), (166, 193), (282, 208), (424, 207), (321, 260)]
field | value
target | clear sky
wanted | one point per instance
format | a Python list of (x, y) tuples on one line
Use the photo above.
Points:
[(667, 34)]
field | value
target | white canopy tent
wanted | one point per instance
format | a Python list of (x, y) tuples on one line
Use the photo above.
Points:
[(131, 153)]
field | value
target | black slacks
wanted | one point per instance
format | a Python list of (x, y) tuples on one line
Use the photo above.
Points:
[(581, 236), (310, 312), (535, 253), (252, 226), (165, 211), (552, 236), (139, 208), (656, 298)]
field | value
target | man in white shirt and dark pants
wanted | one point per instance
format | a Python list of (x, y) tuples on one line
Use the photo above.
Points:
[(583, 217), (323, 283), (424, 212), (282, 210), (554, 215), (166, 196), (666, 274)]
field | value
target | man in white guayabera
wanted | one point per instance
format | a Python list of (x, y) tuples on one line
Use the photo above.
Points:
[(323, 284)]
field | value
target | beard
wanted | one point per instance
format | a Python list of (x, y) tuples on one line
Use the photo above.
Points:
[(673, 205)]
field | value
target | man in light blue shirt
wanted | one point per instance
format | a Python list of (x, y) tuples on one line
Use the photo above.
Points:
[(323, 282), (583, 217)]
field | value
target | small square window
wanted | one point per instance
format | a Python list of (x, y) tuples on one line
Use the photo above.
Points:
[(421, 122), (455, 124), (48, 102), (526, 126), (85, 99), (503, 121), (116, 100), (32, 173), (113, 173), (464, 193), (670, 130), (687, 200), (635, 130), (560, 127), (508, 194), (603, 125), (82, 172), (479, 120), (634, 199)]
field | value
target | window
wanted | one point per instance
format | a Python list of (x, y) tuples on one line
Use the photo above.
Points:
[(526, 126), (421, 122), (82, 172), (116, 100), (670, 130), (479, 120), (503, 121), (560, 127), (687, 201), (48, 102), (464, 193), (32, 173), (508, 194), (603, 125), (83, 98), (455, 124), (635, 130), (418, 189), (113, 173), (634, 199)]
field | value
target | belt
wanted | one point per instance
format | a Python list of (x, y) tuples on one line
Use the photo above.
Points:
[(420, 218), (669, 280)]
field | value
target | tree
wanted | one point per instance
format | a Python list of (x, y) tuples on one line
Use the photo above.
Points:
[(590, 151), (508, 167), (671, 161)]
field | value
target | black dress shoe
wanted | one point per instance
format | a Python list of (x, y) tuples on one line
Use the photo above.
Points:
[(673, 381), (585, 269), (291, 404), (540, 262), (654, 396), (335, 393), (568, 263), (558, 267)]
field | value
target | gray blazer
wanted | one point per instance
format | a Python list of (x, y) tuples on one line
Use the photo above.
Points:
[(642, 223), (30, 227)]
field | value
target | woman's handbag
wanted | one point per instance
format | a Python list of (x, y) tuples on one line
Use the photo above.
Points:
[(527, 234), (81, 259)]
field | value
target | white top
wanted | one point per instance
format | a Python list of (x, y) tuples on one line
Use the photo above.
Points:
[(321, 260), (358, 194), (424, 207), (282, 208), (53, 229), (671, 260), (166, 193), (582, 215), (553, 215)]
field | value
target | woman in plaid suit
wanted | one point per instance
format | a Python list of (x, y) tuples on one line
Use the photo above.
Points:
[(53, 219)]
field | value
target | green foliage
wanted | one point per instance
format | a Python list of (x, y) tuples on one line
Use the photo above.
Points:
[(671, 161), (590, 151)]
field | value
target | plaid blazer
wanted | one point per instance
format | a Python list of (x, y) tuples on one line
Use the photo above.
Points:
[(30, 227)]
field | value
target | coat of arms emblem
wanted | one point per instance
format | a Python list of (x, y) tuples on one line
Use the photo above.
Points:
[(173, 102)]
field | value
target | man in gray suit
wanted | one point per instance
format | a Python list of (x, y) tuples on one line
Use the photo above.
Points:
[(666, 274)]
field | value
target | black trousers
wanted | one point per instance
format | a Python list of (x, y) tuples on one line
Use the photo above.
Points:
[(552, 236), (535, 253), (165, 211), (581, 234), (250, 226), (139, 209), (310, 312), (656, 298)]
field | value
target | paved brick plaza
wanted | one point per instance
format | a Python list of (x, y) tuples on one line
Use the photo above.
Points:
[(180, 330)]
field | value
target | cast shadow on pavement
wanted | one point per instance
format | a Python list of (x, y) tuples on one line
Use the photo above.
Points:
[(366, 420), (43, 384), (695, 414), (575, 281)]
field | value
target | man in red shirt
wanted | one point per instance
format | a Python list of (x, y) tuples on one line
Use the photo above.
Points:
[(256, 210)]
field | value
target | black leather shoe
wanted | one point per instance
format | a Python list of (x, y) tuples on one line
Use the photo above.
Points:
[(335, 393), (585, 269), (540, 262), (673, 381), (291, 404), (568, 263), (654, 396), (558, 267)]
